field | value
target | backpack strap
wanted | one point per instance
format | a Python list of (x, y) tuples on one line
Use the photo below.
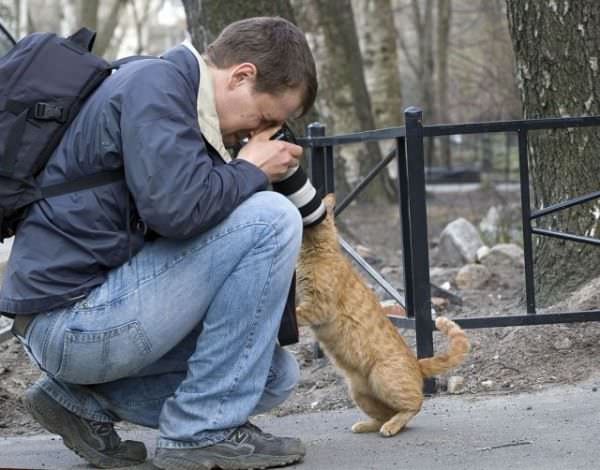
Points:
[(83, 182), (125, 60)]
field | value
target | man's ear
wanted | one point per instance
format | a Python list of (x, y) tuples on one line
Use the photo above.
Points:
[(241, 73)]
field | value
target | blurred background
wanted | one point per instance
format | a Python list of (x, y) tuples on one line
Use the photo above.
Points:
[(453, 58), (458, 60)]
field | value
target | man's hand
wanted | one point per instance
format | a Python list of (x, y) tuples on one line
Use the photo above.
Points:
[(273, 157)]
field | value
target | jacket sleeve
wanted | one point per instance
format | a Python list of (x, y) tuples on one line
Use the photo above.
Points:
[(178, 190)]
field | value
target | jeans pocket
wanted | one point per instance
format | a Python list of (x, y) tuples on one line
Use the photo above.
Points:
[(91, 357)]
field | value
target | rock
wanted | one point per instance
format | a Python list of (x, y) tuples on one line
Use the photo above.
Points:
[(387, 270), (586, 297), (363, 251), (563, 343), (507, 255), (391, 307), (482, 252), (459, 242), (439, 275), (440, 303), (487, 384), (5, 322), (472, 276), (456, 385)]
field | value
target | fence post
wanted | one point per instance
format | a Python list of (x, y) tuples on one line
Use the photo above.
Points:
[(403, 198), (417, 216), (317, 175), (316, 159), (329, 170), (526, 219)]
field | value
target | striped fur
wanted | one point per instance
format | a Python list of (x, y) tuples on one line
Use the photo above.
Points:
[(384, 376)]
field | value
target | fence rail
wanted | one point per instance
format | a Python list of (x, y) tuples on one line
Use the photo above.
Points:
[(410, 159)]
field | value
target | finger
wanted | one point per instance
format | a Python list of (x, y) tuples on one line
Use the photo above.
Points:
[(265, 134), (295, 150)]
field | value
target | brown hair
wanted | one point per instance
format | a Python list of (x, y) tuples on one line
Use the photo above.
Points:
[(276, 47)]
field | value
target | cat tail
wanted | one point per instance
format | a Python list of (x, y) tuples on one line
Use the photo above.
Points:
[(457, 349)]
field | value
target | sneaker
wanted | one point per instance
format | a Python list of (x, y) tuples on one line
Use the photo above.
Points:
[(247, 447), (95, 441)]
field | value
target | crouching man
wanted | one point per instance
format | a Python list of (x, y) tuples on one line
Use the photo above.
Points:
[(157, 299)]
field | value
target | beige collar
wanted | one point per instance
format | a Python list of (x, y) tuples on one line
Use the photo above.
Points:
[(208, 120)]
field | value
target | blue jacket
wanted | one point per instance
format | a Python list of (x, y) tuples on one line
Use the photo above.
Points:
[(144, 119)]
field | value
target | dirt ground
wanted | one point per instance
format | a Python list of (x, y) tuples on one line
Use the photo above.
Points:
[(503, 360)]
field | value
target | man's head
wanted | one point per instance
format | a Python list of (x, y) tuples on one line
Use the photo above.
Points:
[(264, 74)]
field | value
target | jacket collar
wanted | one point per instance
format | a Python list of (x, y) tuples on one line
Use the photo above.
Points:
[(208, 120)]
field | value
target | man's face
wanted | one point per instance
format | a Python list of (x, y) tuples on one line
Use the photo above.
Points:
[(242, 111)]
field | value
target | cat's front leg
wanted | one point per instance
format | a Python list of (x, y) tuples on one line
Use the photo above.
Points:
[(306, 315)]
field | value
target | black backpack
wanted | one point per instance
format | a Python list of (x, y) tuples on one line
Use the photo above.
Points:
[(45, 81)]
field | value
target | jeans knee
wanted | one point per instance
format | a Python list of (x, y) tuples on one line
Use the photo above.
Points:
[(283, 215)]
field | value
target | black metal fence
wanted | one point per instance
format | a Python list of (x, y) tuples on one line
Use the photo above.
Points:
[(409, 156)]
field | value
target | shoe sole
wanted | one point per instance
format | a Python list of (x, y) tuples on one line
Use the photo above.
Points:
[(253, 462), (72, 440)]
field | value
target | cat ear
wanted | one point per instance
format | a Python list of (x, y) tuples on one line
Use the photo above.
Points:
[(329, 201)]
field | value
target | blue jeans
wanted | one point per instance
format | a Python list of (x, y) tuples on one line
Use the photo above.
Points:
[(184, 337)]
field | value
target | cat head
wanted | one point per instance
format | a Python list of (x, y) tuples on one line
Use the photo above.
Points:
[(329, 203), (326, 228)]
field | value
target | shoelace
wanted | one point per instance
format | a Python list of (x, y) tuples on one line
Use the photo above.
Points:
[(257, 429), (100, 428)]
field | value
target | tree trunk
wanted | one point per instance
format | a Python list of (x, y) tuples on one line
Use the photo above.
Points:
[(444, 12), (109, 26), (423, 22), (377, 36), (556, 46), (196, 21), (211, 16), (22, 20), (88, 14), (44, 16), (344, 100)]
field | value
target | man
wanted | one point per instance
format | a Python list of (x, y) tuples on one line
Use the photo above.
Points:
[(157, 300)]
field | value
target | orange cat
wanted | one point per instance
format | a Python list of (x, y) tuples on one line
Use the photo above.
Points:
[(383, 373)]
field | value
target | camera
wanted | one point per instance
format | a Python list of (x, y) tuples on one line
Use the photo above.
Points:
[(296, 186), (285, 133)]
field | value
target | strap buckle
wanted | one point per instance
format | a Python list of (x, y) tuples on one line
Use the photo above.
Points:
[(49, 112)]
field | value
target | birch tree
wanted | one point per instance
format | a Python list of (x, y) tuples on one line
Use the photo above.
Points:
[(343, 101), (444, 13), (378, 37)]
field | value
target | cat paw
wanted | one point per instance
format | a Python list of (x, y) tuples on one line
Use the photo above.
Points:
[(443, 324), (389, 430), (366, 426)]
